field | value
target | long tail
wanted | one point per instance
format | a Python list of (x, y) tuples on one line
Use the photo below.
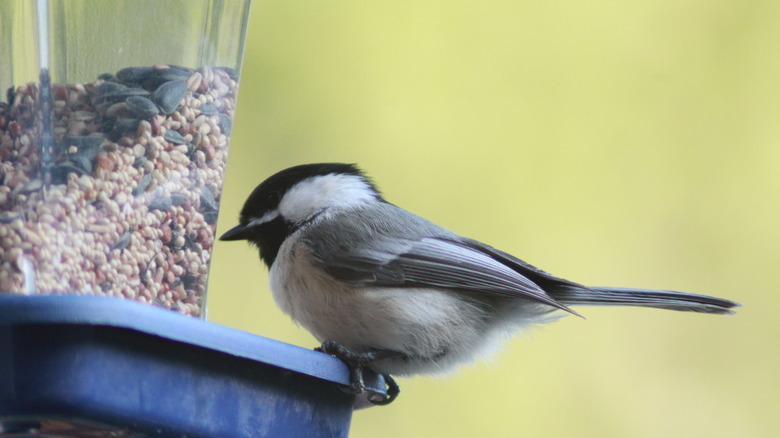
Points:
[(661, 299)]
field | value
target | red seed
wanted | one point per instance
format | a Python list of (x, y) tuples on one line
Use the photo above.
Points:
[(15, 129), (166, 233), (60, 92), (204, 237), (103, 161)]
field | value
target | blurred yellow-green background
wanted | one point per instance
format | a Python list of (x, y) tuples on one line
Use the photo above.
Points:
[(612, 143)]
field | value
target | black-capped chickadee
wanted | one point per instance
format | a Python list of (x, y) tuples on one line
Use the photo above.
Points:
[(384, 288)]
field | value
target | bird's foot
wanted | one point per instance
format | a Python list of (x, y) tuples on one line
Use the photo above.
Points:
[(357, 362)]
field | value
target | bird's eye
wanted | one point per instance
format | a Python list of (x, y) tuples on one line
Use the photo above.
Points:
[(273, 198)]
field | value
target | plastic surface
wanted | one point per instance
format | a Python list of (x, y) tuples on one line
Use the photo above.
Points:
[(89, 366)]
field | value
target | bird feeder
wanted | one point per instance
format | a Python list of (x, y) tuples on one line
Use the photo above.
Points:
[(115, 126)]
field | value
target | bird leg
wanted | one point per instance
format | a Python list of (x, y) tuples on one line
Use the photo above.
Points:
[(356, 362)]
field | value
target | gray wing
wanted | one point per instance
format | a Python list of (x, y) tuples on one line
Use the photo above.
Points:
[(416, 253)]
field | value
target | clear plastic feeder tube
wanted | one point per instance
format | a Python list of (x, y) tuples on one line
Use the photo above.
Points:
[(115, 124)]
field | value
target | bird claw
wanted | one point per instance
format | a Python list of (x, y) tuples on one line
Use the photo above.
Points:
[(356, 362), (392, 392)]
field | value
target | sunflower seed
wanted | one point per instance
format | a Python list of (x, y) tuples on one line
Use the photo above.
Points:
[(210, 217), (174, 137), (141, 107), (178, 199), (124, 240), (124, 126), (168, 95), (208, 109), (109, 87), (139, 162), (162, 203), (134, 75), (225, 124), (61, 171), (207, 200), (169, 74), (189, 279), (143, 184), (121, 95)]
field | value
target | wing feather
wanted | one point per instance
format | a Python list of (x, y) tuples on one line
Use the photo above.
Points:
[(448, 264), (372, 256)]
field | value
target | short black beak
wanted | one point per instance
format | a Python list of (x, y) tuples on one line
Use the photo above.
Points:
[(239, 232)]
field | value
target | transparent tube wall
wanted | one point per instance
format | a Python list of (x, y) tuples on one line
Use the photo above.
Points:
[(115, 124)]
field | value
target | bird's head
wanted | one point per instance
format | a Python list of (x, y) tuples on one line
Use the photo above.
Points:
[(295, 196)]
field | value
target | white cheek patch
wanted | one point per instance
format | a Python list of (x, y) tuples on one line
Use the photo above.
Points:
[(322, 192), (268, 217)]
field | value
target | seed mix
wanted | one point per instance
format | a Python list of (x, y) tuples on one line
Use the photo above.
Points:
[(112, 187)]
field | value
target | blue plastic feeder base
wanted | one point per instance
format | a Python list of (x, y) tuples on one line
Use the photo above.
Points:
[(75, 366)]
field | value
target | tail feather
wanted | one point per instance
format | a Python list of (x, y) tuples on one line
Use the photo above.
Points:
[(661, 299)]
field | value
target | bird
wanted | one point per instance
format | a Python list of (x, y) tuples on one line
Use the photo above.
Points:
[(385, 289)]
